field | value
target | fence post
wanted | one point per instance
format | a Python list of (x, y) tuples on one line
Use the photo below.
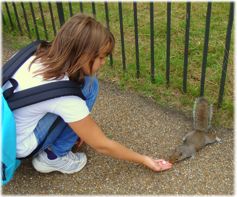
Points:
[(60, 13), (52, 17), (34, 20), (226, 54), (81, 7), (43, 21), (17, 18), (152, 41), (3, 19), (9, 15), (168, 44), (70, 8), (136, 39), (122, 35), (107, 24), (205, 50), (93, 9), (185, 71), (26, 20)]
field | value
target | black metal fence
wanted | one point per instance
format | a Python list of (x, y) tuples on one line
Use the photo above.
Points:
[(8, 20)]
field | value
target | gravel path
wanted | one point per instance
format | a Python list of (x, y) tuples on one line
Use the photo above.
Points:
[(143, 126)]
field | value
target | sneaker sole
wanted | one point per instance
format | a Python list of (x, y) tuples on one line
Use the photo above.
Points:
[(40, 167)]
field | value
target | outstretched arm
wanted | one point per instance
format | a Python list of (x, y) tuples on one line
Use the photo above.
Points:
[(91, 133)]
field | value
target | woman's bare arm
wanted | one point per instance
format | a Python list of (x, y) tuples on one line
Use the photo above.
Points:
[(91, 133)]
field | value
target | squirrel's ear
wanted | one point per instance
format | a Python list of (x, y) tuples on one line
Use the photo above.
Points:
[(180, 154)]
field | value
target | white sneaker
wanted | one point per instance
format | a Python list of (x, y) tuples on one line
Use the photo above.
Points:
[(70, 163)]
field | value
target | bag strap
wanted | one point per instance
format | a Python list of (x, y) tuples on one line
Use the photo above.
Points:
[(44, 92), (12, 65), (9, 92)]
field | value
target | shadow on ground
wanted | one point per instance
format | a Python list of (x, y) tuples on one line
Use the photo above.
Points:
[(143, 126)]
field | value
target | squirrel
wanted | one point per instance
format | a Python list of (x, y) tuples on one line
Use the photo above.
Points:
[(199, 138), (202, 114)]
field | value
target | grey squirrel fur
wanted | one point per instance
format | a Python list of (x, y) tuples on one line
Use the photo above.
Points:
[(199, 138), (202, 114)]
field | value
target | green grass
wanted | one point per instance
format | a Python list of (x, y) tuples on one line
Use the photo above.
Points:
[(172, 96)]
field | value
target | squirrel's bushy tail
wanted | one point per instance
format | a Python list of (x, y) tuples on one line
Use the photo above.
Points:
[(202, 114)]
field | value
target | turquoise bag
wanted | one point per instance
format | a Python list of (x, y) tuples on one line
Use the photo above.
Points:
[(9, 161)]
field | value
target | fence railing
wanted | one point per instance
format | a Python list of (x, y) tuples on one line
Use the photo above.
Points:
[(10, 12)]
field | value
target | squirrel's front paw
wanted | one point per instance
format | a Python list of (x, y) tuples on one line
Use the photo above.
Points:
[(218, 140), (192, 156)]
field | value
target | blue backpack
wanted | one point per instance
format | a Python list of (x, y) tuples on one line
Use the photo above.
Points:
[(9, 161), (13, 100)]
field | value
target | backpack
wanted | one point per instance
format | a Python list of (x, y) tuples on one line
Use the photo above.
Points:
[(9, 161), (13, 100)]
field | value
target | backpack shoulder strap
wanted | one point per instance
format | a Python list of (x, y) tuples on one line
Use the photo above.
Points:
[(12, 65), (44, 92)]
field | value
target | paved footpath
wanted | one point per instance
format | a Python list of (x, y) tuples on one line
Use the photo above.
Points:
[(143, 126)]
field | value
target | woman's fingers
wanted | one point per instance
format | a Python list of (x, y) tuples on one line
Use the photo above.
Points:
[(157, 164), (164, 165)]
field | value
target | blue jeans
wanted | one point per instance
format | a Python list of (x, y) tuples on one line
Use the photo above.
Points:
[(62, 138)]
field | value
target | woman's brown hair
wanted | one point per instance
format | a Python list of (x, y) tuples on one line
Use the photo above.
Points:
[(80, 40)]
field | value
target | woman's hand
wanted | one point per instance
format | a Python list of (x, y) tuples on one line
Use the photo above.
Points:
[(157, 164)]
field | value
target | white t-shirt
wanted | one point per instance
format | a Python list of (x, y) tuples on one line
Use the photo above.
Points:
[(69, 108)]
